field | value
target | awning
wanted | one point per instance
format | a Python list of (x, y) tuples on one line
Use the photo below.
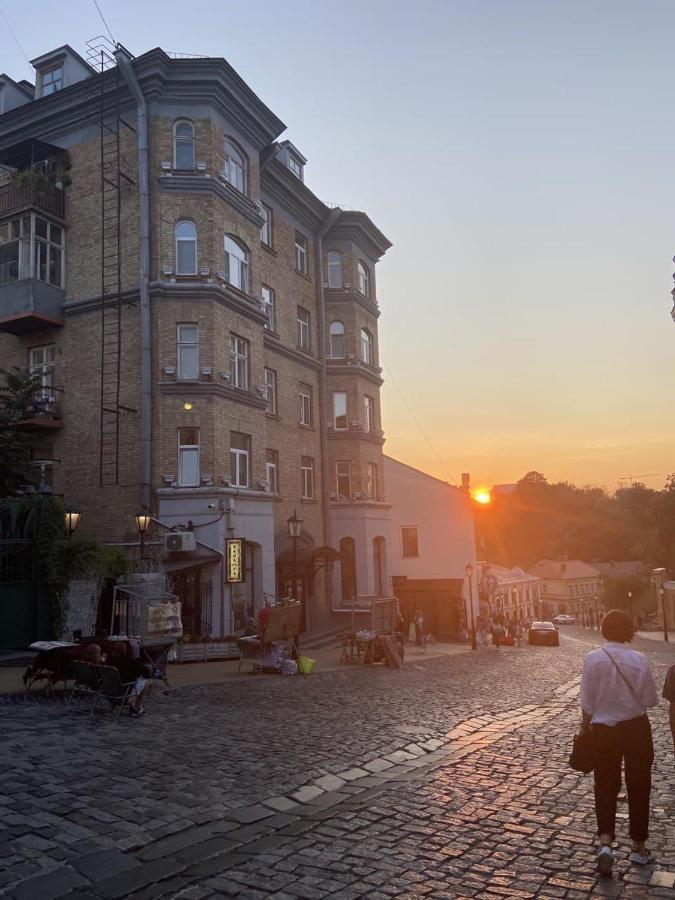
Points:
[(199, 557), (27, 152)]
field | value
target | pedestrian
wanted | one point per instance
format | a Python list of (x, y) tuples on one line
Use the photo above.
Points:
[(617, 688), (420, 631), (669, 695), (497, 632)]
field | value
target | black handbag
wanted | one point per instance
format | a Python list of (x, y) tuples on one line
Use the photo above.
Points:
[(582, 755)]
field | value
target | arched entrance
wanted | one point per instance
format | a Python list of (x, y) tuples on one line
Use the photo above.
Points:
[(291, 569)]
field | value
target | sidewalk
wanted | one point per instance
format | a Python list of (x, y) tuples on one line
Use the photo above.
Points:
[(184, 674), (654, 635)]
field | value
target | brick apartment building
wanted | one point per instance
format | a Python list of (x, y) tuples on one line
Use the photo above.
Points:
[(205, 329)]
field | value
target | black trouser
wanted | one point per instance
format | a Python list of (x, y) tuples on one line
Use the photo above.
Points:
[(631, 741)]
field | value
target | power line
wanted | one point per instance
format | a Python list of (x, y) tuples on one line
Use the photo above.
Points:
[(416, 421), (11, 31), (107, 27)]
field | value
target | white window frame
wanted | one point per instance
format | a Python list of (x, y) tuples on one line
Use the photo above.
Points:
[(369, 413), (239, 362), (183, 141), (305, 406), (234, 170), (240, 461), (304, 329), (336, 334), (184, 346), (42, 362), (295, 166), (343, 471), (405, 555), (363, 273), (335, 279), (272, 470), (269, 298), (53, 85), (185, 452), (237, 263), (367, 349), (270, 377), (371, 481), (267, 230), (307, 477), (181, 239), (300, 253), (49, 247), (340, 411)]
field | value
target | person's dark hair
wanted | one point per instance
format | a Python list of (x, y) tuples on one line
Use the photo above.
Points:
[(617, 626)]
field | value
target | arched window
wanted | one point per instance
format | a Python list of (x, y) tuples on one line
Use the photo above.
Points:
[(183, 145), (334, 269), (234, 170), (348, 567), (186, 248), (337, 340), (364, 278), (236, 263), (366, 347)]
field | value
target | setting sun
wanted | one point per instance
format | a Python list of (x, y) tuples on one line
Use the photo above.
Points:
[(482, 496)]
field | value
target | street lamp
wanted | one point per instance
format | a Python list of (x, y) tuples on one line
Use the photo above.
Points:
[(294, 530), (597, 614), (630, 604), (71, 519), (514, 592), (142, 524), (665, 622), (469, 575)]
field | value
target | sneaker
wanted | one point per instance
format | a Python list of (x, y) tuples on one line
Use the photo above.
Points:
[(641, 857), (605, 860)]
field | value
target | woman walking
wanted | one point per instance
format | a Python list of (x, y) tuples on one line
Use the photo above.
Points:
[(617, 688)]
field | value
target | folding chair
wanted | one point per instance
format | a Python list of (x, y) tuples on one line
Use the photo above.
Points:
[(112, 688), (87, 681)]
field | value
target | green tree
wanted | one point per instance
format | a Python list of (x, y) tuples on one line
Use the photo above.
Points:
[(17, 402)]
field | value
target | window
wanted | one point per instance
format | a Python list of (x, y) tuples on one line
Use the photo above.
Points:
[(42, 475), (295, 166), (236, 263), (272, 471), (41, 366), (238, 362), (343, 480), (334, 269), (371, 481), (266, 233), (188, 352), (369, 414), (366, 347), (47, 251), (271, 391), (303, 329), (10, 250), (364, 278), (409, 545), (337, 340), (51, 81), (300, 252), (339, 411), (186, 248), (234, 171), (270, 301), (31, 247), (183, 145), (307, 477), (188, 457), (240, 450), (305, 396)]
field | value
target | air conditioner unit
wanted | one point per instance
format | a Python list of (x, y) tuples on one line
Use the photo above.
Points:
[(204, 270), (201, 166), (169, 479), (167, 270), (166, 165), (180, 542), (169, 370), (226, 376)]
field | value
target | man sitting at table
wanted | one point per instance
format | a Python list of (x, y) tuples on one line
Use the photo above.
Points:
[(129, 670)]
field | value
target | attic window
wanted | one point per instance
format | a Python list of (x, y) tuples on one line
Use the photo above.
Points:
[(295, 166), (51, 80)]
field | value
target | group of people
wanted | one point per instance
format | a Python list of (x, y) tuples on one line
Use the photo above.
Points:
[(498, 627), (130, 670)]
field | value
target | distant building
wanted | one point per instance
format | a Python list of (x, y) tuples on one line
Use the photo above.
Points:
[(432, 540), (509, 592), (633, 568), (566, 584)]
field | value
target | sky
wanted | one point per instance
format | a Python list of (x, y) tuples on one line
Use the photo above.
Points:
[(520, 155)]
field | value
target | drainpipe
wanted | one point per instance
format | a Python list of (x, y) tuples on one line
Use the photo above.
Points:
[(327, 225), (124, 63)]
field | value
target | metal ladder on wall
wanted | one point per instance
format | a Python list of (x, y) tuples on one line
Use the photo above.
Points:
[(115, 176)]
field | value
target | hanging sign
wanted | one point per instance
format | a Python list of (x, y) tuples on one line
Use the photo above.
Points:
[(234, 560)]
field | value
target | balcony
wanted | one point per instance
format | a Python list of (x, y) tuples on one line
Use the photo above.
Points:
[(28, 304), (33, 193), (47, 410)]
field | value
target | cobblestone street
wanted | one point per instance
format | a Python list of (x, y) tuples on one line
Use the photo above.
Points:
[(448, 778)]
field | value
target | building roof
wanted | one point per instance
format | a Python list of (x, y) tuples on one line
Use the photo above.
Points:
[(506, 576), (420, 472), (563, 568), (625, 568)]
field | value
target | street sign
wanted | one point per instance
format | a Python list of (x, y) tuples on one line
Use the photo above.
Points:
[(234, 560)]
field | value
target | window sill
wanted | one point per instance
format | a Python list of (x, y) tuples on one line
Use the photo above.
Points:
[(307, 500), (306, 427), (268, 248), (273, 416), (304, 350), (303, 275)]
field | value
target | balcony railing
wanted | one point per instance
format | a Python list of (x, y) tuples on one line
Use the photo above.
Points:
[(32, 194), (46, 409)]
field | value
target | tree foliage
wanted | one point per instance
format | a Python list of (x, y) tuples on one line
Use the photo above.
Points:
[(17, 402)]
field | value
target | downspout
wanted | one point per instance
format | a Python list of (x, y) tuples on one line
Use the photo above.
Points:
[(320, 297), (127, 71)]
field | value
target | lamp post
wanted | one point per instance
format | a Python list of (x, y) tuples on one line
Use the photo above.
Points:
[(71, 519), (659, 576), (469, 575), (514, 592), (665, 621), (597, 613), (142, 524), (630, 604), (294, 530)]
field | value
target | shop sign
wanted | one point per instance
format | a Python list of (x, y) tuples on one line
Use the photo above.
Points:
[(234, 560)]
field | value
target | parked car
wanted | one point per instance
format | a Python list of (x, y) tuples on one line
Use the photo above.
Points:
[(563, 619), (543, 633)]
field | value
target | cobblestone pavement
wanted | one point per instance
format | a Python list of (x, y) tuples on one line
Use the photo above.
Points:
[(445, 779)]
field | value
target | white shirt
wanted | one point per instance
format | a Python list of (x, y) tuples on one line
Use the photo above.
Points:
[(605, 696)]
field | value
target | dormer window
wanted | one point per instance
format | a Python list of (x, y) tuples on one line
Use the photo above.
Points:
[(51, 80), (295, 166)]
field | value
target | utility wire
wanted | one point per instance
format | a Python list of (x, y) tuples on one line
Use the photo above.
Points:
[(416, 421), (11, 31), (107, 27)]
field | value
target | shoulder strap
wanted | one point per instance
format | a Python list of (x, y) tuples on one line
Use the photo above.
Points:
[(626, 681)]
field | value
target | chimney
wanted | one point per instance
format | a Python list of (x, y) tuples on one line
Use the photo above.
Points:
[(466, 481)]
